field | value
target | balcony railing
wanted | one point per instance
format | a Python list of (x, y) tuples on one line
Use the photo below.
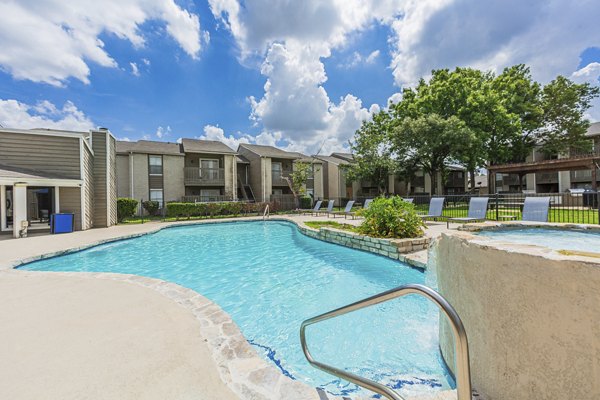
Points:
[(277, 177), (204, 176), (205, 199), (546, 177)]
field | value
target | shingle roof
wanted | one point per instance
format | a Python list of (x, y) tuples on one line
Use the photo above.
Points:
[(149, 147), (344, 156), (270, 151), (333, 160), (205, 146), (593, 130), (23, 173), (241, 159)]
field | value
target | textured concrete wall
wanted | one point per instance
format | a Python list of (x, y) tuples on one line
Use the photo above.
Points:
[(140, 177), (230, 177), (123, 187), (173, 186), (532, 317)]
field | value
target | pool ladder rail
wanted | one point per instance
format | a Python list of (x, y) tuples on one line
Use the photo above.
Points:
[(463, 373), (266, 213)]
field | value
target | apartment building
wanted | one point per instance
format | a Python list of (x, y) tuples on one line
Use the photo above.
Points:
[(45, 171), (267, 167), (193, 170), (335, 182), (543, 173), (456, 182)]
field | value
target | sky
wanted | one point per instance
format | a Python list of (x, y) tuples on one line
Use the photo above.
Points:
[(301, 75)]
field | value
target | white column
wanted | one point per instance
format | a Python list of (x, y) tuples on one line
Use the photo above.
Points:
[(3, 225), (56, 199), (19, 207)]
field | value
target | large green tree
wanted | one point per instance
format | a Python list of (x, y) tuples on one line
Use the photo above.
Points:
[(431, 140), (372, 152)]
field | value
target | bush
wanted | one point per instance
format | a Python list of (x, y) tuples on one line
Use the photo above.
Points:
[(126, 208), (150, 206), (306, 202), (391, 218), (188, 210)]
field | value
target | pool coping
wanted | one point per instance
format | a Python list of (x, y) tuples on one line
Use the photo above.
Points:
[(468, 232), (240, 366)]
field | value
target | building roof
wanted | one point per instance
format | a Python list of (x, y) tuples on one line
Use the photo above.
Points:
[(205, 146), (241, 159), (149, 147), (333, 160), (344, 156), (27, 174), (593, 130), (271, 152)]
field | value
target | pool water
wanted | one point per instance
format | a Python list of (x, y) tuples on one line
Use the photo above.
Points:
[(557, 239), (270, 277)]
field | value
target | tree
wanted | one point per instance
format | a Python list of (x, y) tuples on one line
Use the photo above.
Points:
[(431, 140), (564, 124), (298, 178), (371, 149)]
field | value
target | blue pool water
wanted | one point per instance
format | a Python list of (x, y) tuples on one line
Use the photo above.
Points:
[(270, 277), (556, 239)]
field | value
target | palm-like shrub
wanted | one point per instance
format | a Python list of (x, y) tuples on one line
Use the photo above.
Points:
[(391, 218)]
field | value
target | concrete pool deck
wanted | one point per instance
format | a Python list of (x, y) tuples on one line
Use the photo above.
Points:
[(120, 338)]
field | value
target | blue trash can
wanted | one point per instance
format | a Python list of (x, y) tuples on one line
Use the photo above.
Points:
[(62, 223)]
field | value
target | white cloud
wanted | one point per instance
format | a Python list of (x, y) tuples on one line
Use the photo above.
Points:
[(134, 69), (124, 139), (162, 132), (14, 114), (212, 132), (358, 59), (146, 62), (590, 74), (52, 40)]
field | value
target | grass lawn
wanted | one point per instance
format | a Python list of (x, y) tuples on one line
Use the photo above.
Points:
[(331, 224), (559, 215)]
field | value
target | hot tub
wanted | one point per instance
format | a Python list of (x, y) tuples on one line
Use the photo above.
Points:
[(529, 297)]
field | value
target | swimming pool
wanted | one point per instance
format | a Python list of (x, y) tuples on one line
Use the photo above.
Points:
[(556, 239), (270, 277)]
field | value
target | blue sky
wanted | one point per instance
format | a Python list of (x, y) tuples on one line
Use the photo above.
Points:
[(301, 75)]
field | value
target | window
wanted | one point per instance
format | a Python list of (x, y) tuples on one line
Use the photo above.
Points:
[(155, 163), (209, 169), (157, 195), (278, 192), (276, 169)]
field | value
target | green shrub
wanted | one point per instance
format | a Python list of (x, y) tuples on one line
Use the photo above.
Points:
[(305, 202), (126, 208), (150, 206), (188, 210), (391, 218)]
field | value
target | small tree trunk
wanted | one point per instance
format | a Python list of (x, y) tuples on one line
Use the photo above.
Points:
[(472, 179), (434, 182)]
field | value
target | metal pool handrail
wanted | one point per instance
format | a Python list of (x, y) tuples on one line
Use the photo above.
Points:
[(463, 373), (266, 213)]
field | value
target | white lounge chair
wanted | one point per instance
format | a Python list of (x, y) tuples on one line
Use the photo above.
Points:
[(329, 209), (347, 211), (535, 209), (311, 210), (477, 211), (436, 207)]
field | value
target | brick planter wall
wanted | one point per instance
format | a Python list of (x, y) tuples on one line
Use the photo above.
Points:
[(392, 248)]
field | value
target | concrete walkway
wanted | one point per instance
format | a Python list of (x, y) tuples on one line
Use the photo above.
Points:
[(71, 337)]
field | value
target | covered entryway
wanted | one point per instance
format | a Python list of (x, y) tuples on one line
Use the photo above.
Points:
[(28, 198)]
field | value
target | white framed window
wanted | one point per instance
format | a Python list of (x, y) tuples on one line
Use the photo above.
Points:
[(155, 165), (157, 195), (276, 169), (209, 169)]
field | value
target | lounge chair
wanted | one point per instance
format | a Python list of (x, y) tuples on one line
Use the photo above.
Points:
[(408, 200), (311, 210), (436, 206), (329, 209), (535, 209), (347, 211), (365, 206), (477, 211)]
